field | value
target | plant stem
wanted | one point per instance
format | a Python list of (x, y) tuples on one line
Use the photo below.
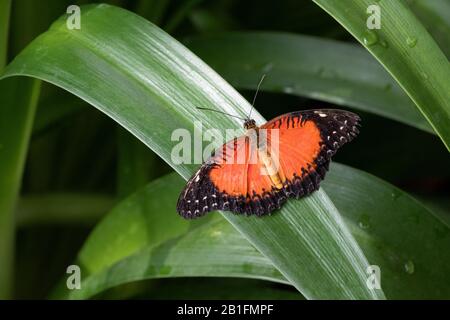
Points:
[(17, 108), (5, 9)]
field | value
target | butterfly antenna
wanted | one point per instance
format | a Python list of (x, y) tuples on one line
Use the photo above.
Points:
[(256, 94), (231, 115)]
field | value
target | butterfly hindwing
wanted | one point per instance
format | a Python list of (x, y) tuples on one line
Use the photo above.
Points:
[(306, 142), (224, 182)]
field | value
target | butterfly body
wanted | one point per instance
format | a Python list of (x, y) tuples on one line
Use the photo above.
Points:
[(256, 173)]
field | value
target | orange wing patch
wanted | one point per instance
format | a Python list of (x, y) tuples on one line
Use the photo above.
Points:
[(298, 145), (239, 171)]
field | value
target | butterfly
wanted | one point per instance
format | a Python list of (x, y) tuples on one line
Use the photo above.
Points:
[(306, 141)]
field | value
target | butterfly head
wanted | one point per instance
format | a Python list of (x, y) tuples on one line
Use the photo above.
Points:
[(249, 124)]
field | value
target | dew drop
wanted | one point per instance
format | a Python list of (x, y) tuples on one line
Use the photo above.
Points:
[(216, 233), (364, 221), (288, 89), (409, 267), (267, 67), (247, 268), (411, 42), (384, 44), (326, 73), (395, 195), (165, 270), (387, 87), (370, 38)]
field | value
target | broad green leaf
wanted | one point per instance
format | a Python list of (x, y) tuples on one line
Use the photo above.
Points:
[(145, 218), (146, 222), (327, 70), (18, 100), (151, 85), (395, 231), (214, 249), (406, 50)]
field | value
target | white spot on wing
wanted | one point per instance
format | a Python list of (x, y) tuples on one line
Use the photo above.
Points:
[(321, 114)]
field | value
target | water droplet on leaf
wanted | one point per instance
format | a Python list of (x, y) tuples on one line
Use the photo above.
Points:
[(216, 233), (409, 267), (411, 42), (370, 38), (247, 268), (165, 270), (267, 67), (364, 221), (395, 195), (288, 89)]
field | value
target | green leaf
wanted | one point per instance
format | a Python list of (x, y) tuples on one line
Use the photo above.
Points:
[(407, 51), (155, 90), (145, 218), (311, 67), (18, 100), (395, 231), (214, 249), (146, 226)]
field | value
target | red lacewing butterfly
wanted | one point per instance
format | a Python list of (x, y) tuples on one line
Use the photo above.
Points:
[(306, 141)]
